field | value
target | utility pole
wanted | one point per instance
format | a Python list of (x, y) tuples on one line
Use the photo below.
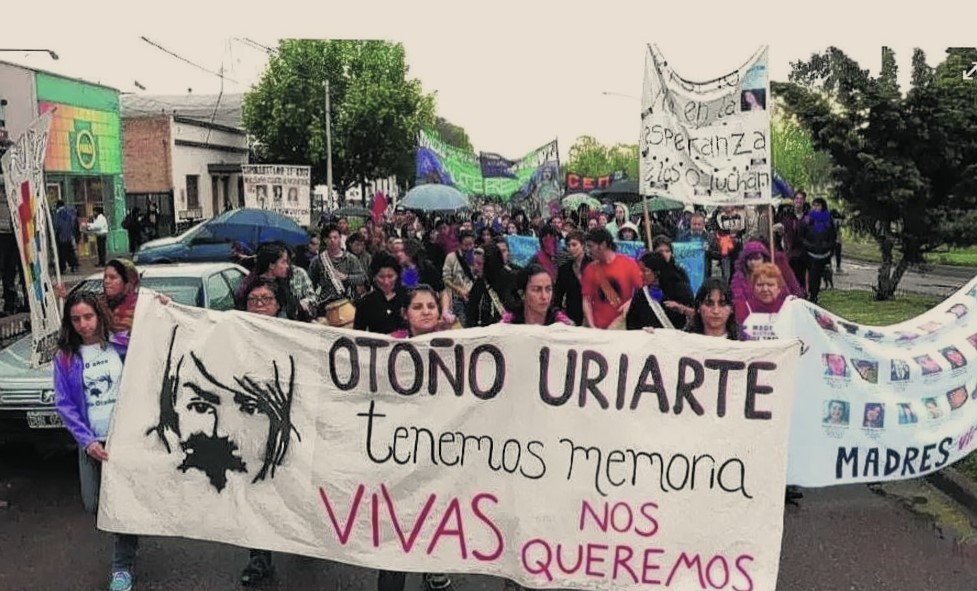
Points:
[(328, 147)]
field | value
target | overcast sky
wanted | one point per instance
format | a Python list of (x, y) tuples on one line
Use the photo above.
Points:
[(514, 74)]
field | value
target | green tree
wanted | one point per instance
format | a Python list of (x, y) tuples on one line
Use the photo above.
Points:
[(452, 134), (906, 164), (376, 110), (794, 156), (589, 157)]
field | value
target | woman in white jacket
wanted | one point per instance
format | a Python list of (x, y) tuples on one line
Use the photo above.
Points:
[(100, 228)]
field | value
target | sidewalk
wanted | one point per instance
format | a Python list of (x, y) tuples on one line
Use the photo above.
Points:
[(928, 269)]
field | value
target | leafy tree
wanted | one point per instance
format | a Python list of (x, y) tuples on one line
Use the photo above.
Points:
[(589, 157), (906, 164), (452, 134), (376, 110), (794, 156)]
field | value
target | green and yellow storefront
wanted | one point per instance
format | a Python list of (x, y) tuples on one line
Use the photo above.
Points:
[(83, 165)]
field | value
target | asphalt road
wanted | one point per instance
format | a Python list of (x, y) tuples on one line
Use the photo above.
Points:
[(939, 281), (844, 538)]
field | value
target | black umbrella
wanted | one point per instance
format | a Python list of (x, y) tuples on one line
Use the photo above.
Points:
[(352, 211), (625, 190)]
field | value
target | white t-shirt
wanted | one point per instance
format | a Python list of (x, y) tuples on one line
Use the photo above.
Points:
[(102, 374)]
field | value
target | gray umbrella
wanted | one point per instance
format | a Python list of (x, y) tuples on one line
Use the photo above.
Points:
[(433, 197)]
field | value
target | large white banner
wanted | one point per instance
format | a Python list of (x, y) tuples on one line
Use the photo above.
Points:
[(882, 403), (706, 142), (557, 456), (281, 188), (23, 174)]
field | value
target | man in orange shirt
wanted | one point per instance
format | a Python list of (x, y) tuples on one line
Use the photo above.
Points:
[(608, 283)]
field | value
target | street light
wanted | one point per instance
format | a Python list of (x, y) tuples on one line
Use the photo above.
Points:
[(630, 96), (50, 52)]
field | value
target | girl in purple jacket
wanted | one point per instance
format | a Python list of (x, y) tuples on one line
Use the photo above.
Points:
[(87, 373)]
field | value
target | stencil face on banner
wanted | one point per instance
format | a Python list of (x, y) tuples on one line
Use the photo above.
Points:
[(908, 390), (441, 453), (235, 424), (706, 142)]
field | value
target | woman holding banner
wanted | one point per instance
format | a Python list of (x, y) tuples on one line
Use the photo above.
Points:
[(665, 299), (713, 316), (87, 373), (535, 291), (423, 316), (534, 288)]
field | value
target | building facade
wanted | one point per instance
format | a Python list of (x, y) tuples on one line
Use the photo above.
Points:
[(181, 160), (83, 163)]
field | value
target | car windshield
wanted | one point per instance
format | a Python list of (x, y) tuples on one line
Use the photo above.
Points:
[(198, 231), (183, 290)]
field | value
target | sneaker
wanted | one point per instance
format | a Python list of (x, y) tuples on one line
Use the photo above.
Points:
[(436, 581), (259, 568), (121, 581)]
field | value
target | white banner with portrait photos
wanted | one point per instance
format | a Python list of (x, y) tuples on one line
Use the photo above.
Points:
[(882, 403), (561, 457), (284, 189), (706, 142)]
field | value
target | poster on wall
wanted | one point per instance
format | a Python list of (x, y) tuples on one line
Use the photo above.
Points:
[(285, 189), (882, 403), (23, 174), (706, 142), (442, 453)]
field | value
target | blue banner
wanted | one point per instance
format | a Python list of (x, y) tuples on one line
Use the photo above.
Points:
[(691, 256), (630, 248), (522, 249), (494, 165)]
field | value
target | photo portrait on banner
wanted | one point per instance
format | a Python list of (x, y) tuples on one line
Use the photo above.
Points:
[(882, 403)]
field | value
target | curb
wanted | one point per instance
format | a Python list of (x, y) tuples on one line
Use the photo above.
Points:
[(957, 487), (926, 268)]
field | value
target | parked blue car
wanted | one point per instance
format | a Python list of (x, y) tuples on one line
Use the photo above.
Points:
[(212, 240)]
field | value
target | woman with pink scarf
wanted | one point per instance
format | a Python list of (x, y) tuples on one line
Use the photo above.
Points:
[(755, 253)]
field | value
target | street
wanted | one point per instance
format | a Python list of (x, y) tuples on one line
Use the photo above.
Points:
[(845, 538), (939, 281)]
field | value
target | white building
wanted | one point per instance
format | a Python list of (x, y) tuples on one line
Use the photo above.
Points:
[(183, 154)]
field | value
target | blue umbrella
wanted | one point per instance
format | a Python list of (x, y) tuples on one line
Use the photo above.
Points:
[(253, 226), (432, 197)]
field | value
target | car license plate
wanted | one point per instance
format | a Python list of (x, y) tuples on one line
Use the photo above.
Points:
[(44, 419)]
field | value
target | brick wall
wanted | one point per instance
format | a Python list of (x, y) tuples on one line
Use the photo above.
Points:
[(146, 156)]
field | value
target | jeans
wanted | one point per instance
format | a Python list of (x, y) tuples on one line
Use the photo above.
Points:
[(67, 256), (799, 266), (815, 274), (458, 309), (391, 581), (90, 474), (100, 246)]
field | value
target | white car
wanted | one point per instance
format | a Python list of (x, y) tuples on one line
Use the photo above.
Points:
[(27, 395)]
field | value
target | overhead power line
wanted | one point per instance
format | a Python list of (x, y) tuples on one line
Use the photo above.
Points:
[(185, 60)]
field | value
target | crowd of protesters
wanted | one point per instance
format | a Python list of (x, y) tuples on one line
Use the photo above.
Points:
[(413, 274)]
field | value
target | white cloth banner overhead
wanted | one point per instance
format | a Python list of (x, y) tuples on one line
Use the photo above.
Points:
[(560, 457), (23, 173), (706, 142), (882, 403), (284, 189)]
